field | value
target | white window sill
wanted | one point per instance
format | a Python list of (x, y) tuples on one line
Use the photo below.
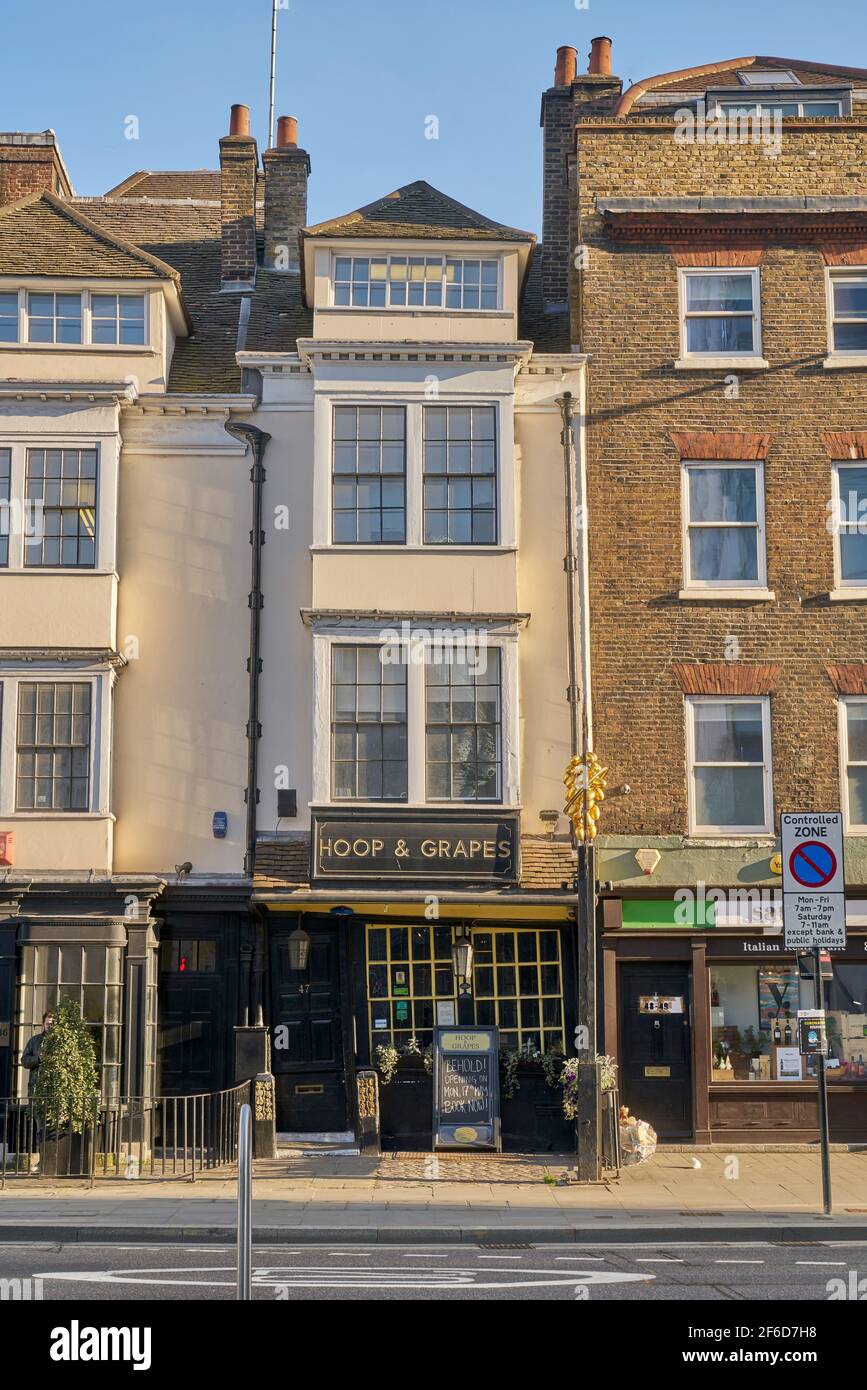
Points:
[(348, 549), (416, 311), (711, 363), (56, 815), (389, 808), (56, 570), (736, 839), (124, 349), (853, 595), (839, 361), (739, 595)]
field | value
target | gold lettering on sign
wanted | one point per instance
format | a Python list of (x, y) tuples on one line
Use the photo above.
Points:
[(489, 849), (504, 849), (428, 848)]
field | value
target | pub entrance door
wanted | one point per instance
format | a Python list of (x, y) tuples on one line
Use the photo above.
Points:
[(306, 1012), (655, 1047)]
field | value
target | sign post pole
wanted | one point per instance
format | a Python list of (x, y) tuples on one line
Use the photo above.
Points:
[(814, 919), (824, 1125)]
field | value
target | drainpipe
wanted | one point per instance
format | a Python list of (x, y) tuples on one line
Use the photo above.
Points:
[(257, 440), (577, 562)]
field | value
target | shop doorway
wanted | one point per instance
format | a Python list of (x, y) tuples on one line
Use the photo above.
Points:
[(306, 1005), (655, 1050), (191, 1038)]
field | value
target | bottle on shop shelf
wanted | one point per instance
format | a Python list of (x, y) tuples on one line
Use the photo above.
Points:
[(778, 1036), (788, 1031)]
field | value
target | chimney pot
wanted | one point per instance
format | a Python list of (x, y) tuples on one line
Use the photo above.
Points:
[(567, 67), (600, 56), (287, 133), (239, 122)]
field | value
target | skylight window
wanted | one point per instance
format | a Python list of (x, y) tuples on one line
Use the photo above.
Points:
[(767, 77)]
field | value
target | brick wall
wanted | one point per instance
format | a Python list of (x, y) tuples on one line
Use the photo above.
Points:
[(641, 630), (286, 174), (26, 168)]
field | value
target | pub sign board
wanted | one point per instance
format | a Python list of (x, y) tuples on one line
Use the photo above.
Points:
[(466, 1075), (477, 849)]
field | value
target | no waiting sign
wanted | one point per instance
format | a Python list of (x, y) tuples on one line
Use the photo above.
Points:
[(814, 905)]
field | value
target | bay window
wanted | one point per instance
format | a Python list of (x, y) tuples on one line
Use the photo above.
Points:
[(53, 745), (460, 501), (463, 730), (729, 768), (368, 726), (369, 475)]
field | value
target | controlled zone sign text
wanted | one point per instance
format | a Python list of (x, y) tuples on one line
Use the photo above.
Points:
[(814, 903)]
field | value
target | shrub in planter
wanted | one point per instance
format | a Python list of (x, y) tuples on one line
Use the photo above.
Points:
[(66, 1092)]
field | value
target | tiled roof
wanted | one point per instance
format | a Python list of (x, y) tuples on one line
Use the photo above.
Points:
[(187, 236), (546, 864), (421, 211), (175, 183), (548, 332), (44, 235)]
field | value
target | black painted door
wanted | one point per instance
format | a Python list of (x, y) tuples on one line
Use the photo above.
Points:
[(191, 1037), (307, 1042), (655, 1048)]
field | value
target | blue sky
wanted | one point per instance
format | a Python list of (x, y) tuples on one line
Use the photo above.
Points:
[(362, 76)]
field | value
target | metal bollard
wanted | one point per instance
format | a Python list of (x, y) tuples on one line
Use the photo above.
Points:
[(245, 1204)]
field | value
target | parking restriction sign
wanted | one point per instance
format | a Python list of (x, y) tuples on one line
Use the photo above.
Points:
[(814, 904)]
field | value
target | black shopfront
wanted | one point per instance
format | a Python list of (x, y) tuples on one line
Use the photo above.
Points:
[(391, 908)]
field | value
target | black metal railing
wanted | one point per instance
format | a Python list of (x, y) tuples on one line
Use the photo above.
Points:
[(135, 1137)]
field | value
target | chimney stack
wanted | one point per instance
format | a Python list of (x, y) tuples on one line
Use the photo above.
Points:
[(32, 163), (287, 169), (239, 167), (567, 67), (600, 57)]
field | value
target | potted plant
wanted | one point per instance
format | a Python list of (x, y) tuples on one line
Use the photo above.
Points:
[(66, 1092)]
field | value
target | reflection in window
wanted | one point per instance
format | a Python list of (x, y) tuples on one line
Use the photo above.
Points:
[(463, 729), (729, 772), (90, 975), (460, 475), (723, 524), (720, 312), (754, 1013), (517, 985), (409, 969), (368, 726), (846, 1006)]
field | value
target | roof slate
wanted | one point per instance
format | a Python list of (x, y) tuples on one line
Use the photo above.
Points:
[(199, 184), (44, 235), (421, 211)]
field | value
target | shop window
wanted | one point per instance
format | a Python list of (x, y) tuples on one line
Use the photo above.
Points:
[(754, 1022), (846, 1007), (518, 985), (189, 956), (410, 984), (90, 975)]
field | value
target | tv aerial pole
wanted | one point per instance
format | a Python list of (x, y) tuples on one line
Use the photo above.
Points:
[(273, 83)]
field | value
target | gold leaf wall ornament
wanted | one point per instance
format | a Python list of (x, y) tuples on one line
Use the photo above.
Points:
[(597, 780)]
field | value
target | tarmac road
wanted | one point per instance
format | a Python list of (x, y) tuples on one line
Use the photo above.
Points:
[(637, 1271)]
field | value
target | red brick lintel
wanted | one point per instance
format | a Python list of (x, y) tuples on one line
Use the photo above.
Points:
[(847, 677), (726, 678), (708, 444), (845, 444)]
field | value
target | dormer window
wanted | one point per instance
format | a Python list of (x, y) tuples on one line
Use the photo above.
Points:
[(416, 282), (65, 319), (54, 318)]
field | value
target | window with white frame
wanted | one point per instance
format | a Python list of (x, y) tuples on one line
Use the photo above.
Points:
[(54, 318), (421, 282), (729, 764), (724, 517), (9, 317), (773, 106), (419, 720), (369, 475), (53, 745), (463, 729), (73, 319), (368, 725), (853, 728), (460, 482), (61, 488), (848, 311), (850, 523), (117, 318), (720, 313)]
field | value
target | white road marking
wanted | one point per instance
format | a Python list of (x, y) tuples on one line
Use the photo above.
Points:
[(498, 1257), (581, 1259), (825, 1264), (658, 1260), (739, 1262), (421, 1256), (329, 1276)]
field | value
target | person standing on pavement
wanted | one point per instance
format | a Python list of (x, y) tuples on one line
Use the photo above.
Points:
[(30, 1059)]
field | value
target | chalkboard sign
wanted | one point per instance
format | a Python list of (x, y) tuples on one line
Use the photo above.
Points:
[(466, 1088)]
